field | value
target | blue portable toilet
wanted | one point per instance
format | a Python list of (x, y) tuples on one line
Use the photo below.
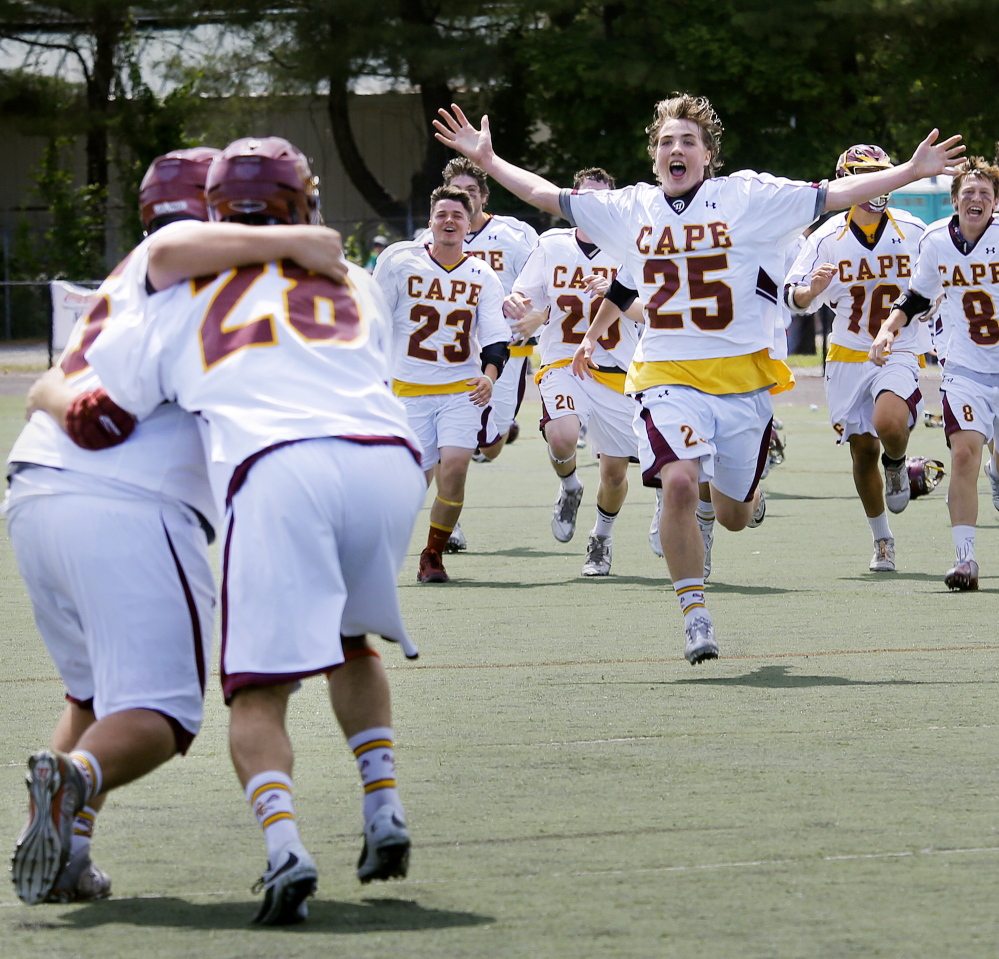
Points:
[(929, 199)]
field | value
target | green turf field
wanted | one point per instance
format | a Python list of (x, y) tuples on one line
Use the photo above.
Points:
[(828, 788)]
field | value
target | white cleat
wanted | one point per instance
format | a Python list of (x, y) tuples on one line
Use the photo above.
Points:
[(701, 643), (993, 481), (456, 542), (883, 560), (598, 556), (898, 489), (80, 881), (655, 541), (385, 854), (286, 885), (760, 513), (564, 513), (581, 439)]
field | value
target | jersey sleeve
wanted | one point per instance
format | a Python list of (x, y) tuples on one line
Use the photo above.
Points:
[(492, 326), (604, 215), (781, 208), (384, 276), (811, 256), (926, 277), (126, 356), (531, 280)]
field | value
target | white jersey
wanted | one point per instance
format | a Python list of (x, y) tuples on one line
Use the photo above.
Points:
[(553, 280), (967, 279), (266, 354), (504, 242), (870, 277), (441, 315), (164, 455), (707, 265)]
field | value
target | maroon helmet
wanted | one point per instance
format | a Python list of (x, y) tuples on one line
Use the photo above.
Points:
[(174, 187), (263, 180), (924, 475), (864, 158)]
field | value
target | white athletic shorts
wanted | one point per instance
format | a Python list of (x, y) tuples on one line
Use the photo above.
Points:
[(315, 538), (446, 419), (729, 435), (609, 416), (122, 591), (852, 388), (970, 405), (508, 392)]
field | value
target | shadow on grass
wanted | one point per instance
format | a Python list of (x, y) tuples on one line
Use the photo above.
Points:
[(780, 677), (774, 496), (894, 578), (369, 915)]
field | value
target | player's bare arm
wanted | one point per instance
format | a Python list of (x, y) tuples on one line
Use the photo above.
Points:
[(516, 306), (201, 249), (454, 130), (596, 284), (528, 325), (50, 394), (929, 159), (482, 386), (820, 280), (881, 346)]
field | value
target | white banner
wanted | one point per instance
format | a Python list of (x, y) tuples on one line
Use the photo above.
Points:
[(69, 302)]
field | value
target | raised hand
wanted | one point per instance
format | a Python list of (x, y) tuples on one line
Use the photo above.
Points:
[(456, 132), (931, 158)]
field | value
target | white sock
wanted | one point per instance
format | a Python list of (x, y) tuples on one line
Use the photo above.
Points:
[(270, 797), (879, 526), (690, 592), (83, 832), (604, 525), (705, 511), (90, 769), (964, 542), (571, 482), (374, 751)]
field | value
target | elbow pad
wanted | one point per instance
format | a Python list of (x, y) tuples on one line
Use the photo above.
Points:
[(495, 353), (621, 296), (95, 422), (912, 304)]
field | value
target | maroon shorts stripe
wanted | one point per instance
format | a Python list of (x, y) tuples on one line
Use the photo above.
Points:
[(232, 683), (192, 608), (522, 385), (81, 703), (950, 420), (662, 452), (545, 417), (483, 438), (761, 459)]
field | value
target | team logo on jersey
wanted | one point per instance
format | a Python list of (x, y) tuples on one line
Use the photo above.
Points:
[(678, 205)]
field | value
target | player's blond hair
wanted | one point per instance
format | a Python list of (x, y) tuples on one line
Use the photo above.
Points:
[(682, 106), (455, 193), (977, 167), (462, 166), (597, 173)]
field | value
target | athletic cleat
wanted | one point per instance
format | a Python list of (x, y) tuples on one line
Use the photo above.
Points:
[(432, 568), (286, 886), (511, 436), (56, 795), (963, 576), (80, 881), (479, 457), (655, 542), (385, 854), (456, 542), (883, 560), (701, 642), (581, 439), (564, 513), (898, 488), (760, 513), (598, 556), (707, 528), (993, 481)]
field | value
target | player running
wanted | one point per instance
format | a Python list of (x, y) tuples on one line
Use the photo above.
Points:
[(858, 263), (450, 347), (313, 461), (958, 265), (559, 282), (707, 254)]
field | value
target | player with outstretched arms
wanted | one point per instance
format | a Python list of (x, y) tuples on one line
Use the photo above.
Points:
[(317, 470), (562, 283), (957, 266), (858, 263), (707, 255), (450, 347)]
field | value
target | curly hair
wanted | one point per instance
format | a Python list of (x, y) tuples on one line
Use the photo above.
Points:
[(455, 193), (599, 174), (462, 166), (977, 167), (682, 106)]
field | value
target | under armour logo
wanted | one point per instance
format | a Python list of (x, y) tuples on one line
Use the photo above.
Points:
[(896, 239), (989, 250), (714, 206)]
